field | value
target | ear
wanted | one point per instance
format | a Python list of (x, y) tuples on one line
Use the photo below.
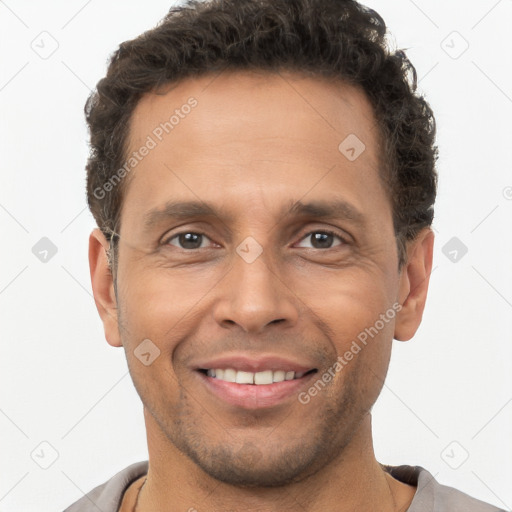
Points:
[(413, 285), (103, 286)]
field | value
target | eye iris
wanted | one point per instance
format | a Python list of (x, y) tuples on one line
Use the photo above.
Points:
[(190, 240), (322, 240)]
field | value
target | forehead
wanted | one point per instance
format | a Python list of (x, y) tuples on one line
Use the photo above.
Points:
[(245, 134), (257, 102)]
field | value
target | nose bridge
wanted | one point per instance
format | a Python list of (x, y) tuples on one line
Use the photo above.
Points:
[(253, 295), (254, 273)]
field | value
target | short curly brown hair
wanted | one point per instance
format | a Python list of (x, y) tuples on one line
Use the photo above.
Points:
[(330, 38)]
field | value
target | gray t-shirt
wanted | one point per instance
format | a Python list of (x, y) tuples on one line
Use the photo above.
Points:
[(430, 496)]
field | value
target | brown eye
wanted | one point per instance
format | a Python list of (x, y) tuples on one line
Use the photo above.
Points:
[(188, 240), (322, 239)]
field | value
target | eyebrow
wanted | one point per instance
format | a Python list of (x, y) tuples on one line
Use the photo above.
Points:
[(183, 210), (333, 209)]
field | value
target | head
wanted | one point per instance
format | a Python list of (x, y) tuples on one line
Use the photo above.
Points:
[(262, 175)]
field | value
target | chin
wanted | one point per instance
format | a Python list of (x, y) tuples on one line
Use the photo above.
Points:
[(255, 466), (238, 472)]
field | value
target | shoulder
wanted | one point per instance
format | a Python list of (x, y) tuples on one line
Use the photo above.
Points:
[(450, 499), (431, 496), (107, 497)]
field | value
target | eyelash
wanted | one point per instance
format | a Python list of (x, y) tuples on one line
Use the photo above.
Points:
[(326, 232), (323, 231)]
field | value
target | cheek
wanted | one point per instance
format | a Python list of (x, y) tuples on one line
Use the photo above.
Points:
[(161, 305), (154, 316), (348, 300), (359, 313)]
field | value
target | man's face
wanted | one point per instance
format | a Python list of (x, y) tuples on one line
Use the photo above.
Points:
[(262, 282)]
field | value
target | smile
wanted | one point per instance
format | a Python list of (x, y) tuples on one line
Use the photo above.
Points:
[(262, 378), (254, 390)]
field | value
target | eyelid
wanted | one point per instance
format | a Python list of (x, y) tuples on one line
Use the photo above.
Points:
[(182, 229), (329, 231), (166, 239), (343, 238)]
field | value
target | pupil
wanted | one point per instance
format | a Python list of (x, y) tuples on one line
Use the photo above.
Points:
[(322, 240), (189, 240), (193, 240)]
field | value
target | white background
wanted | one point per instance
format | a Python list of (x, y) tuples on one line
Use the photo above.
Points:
[(449, 390)]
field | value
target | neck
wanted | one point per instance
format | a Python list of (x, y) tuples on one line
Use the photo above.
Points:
[(352, 481)]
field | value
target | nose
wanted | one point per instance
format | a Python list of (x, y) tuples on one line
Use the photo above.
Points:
[(253, 295)]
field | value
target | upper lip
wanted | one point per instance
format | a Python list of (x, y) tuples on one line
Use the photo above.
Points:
[(248, 363)]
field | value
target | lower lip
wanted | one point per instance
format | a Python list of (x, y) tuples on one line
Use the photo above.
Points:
[(253, 396)]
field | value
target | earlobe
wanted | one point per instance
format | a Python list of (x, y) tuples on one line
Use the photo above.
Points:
[(413, 286), (103, 286)]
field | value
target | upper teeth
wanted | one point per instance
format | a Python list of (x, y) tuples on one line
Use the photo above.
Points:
[(240, 377)]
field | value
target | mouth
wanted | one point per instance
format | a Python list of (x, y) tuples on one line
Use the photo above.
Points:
[(261, 378), (253, 381), (260, 390)]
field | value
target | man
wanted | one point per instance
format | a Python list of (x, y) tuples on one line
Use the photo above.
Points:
[(262, 173)]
